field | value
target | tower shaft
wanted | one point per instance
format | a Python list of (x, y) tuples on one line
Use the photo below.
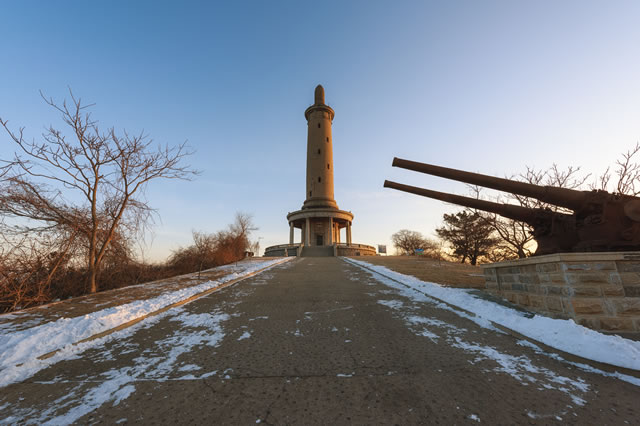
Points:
[(319, 154)]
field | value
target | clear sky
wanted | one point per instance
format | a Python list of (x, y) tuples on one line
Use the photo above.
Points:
[(487, 86)]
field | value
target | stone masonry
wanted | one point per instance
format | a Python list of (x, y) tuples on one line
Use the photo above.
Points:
[(598, 290)]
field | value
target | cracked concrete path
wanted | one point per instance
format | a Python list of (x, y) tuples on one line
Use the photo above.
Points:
[(316, 340)]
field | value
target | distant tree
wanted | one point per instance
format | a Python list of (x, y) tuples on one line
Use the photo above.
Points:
[(406, 242), (627, 173), (516, 238), (87, 184), (469, 234)]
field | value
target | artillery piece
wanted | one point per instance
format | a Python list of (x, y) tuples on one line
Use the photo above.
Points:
[(600, 221)]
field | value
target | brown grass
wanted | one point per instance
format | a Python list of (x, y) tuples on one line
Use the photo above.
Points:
[(430, 270)]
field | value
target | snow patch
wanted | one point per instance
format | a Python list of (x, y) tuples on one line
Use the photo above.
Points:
[(20, 349), (564, 335)]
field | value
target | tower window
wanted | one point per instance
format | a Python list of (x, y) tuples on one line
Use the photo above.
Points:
[(328, 167), (318, 151), (309, 193), (319, 179), (327, 138), (318, 125)]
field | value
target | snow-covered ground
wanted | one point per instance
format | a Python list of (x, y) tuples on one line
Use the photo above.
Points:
[(19, 350), (564, 335)]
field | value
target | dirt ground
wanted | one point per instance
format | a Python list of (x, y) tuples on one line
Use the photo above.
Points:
[(441, 272)]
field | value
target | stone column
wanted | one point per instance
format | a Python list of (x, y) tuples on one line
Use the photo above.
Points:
[(307, 232), (290, 232), (330, 231), (349, 233)]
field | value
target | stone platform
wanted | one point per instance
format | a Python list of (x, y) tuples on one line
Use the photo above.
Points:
[(337, 249), (598, 290)]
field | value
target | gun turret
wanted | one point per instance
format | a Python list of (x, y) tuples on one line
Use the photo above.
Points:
[(601, 221), (553, 231), (568, 198)]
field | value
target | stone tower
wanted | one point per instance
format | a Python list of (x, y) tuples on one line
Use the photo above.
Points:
[(319, 219), (319, 154)]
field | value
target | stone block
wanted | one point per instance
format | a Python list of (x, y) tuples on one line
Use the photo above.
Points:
[(523, 299), (490, 272), (587, 278), (528, 269), (629, 278), (553, 304), (532, 288), (627, 306), (529, 279), (586, 291), (589, 322), (558, 278), (517, 287), (616, 324), (491, 286), (547, 267), (587, 306), (536, 301), (612, 290), (544, 278), (552, 290), (506, 278), (511, 297), (632, 290), (614, 278), (504, 286), (589, 266), (628, 266)]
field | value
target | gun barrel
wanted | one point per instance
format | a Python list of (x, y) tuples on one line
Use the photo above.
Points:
[(507, 210), (568, 198)]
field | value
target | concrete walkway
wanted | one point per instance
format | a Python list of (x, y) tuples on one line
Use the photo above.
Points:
[(316, 340)]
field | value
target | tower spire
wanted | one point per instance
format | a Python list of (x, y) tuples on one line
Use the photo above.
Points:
[(319, 95)]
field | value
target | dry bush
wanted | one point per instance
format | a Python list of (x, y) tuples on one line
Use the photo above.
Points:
[(210, 250)]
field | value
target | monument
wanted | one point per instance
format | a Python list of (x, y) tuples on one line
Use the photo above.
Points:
[(587, 263), (320, 220)]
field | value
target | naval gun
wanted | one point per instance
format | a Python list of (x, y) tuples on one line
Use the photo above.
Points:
[(601, 221)]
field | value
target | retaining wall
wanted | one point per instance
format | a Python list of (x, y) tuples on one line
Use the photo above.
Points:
[(597, 290)]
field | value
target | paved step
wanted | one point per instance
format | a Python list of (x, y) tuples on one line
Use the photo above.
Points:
[(317, 251)]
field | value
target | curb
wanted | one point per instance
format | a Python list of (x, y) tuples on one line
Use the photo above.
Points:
[(609, 368)]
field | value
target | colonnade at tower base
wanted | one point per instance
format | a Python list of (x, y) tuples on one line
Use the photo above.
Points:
[(337, 249)]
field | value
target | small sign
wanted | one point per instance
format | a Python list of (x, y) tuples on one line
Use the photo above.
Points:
[(419, 251), (382, 248)]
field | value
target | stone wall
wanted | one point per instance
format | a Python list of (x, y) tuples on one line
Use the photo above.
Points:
[(597, 290), (282, 250), (355, 250)]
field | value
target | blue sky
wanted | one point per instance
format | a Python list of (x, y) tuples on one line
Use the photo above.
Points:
[(483, 86)]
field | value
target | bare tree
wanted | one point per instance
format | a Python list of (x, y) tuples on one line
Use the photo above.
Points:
[(516, 238), (627, 171), (406, 242), (88, 182)]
